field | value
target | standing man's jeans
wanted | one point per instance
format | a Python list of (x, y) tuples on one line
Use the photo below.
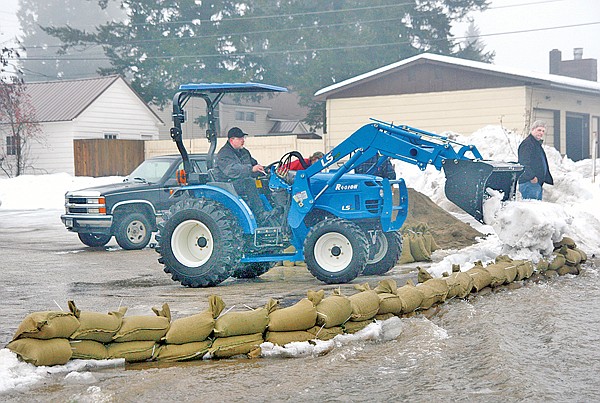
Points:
[(531, 190)]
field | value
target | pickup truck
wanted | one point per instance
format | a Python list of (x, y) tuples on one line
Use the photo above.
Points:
[(128, 210)]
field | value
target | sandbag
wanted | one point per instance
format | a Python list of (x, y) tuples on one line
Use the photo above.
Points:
[(384, 316), (557, 262), (144, 328), (240, 323), (88, 350), (42, 352), (352, 327), (96, 326), (132, 351), (182, 352), (323, 333), (460, 285), (524, 269), (410, 296), (572, 257), (481, 278), (225, 347), (47, 325), (417, 248), (423, 275), (365, 304), (434, 291), (389, 303), (196, 327), (498, 274), (386, 286), (566, 269), (283, 338), (430, 242), (405, 255), (300, 316), (582, 254), (565, 241), (334, 310)]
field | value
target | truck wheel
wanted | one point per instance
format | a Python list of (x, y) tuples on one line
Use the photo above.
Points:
[(252, 270), (94, 240), (199, 243), (336, 251), (388, 246), (133, 231)]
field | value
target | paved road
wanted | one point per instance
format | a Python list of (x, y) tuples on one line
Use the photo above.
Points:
[(43, 266)]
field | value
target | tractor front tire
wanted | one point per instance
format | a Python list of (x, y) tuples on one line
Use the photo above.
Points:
[(386, 253), (94, 240), (336, 251), (252, 270), (199, 243), (133, 231)]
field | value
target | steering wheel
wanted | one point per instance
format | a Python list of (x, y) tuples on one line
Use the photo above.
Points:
[(282, 167)]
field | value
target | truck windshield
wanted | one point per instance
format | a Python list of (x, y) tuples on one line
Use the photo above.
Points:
[(149, 171)]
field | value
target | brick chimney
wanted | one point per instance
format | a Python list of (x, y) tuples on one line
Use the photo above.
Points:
[(585, 69)]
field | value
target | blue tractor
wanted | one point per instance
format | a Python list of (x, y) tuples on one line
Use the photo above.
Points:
[(342, 224)]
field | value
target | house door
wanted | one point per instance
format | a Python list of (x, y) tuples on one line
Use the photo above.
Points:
[(578, 136)]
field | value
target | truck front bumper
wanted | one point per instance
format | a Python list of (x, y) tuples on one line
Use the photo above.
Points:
[(93, 224)]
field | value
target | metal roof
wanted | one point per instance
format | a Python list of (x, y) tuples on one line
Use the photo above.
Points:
[(231, 87), (551, 80), (59, 101)]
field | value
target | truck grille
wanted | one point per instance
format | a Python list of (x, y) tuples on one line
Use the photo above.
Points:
[(85, 205)]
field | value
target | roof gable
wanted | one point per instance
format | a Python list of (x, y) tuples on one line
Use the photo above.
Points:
[(468, 74)]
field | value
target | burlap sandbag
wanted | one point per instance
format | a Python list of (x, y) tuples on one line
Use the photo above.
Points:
[(572, 256), (195, 327), (351, 327), (510, 267), (434, 291), (283, 338), (96, 326), (144, 328), (384, 316), (334, 310), (323, 333), (566, 269), (566, 241), (557, 262), (42, 352), (389, 303), (430, 242), (182, 352), (300, 316), (582, 254), (417, 248), (132, 351), (524, 269), (88, 350), (460, 285), (498, 273), (405, 255), (47, 325), (365, 303), (226, 347), (410, 296), (234, 323), (481, 278)]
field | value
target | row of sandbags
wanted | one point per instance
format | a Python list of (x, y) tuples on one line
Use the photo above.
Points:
[(566, 259), (417, 244), (50, 338)]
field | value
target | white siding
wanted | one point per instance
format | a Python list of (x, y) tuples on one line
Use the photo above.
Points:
[(457, 111), (54, 152), (117, 110)]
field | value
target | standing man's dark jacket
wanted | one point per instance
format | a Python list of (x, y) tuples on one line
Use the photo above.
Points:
[(533, 158), (232, 164)]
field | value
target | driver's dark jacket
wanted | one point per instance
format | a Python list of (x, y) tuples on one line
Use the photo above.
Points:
[(232, 164)]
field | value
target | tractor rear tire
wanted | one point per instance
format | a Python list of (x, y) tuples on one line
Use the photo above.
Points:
[(336, 251), (386, 254), (94, 240), (133, 231), (252, 270), (199, 243)]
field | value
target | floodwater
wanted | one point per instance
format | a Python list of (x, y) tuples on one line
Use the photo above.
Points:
[(535, 343)]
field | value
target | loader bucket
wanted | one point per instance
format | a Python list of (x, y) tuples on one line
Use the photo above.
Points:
[(467, 181)]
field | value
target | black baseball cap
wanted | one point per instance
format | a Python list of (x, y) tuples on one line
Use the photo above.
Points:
[(235, 132)]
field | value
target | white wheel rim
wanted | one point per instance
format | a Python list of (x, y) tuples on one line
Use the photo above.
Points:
[(192, 243), (381, 243), (333, 252), (136, 231)]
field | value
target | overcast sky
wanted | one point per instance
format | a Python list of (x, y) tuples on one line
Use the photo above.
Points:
[(521, 32)]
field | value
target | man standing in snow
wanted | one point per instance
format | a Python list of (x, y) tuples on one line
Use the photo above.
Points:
[(533, 158)]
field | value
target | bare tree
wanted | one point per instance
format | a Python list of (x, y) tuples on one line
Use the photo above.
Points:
[(18, 125)]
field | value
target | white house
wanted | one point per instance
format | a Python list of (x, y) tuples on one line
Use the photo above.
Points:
[(93, 108)]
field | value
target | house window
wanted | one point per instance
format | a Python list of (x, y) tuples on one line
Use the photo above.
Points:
[(11, 145), (110, 136), (245, 116)]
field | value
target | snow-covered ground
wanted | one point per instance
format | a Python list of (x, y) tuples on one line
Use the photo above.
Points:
[(521, 229)]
